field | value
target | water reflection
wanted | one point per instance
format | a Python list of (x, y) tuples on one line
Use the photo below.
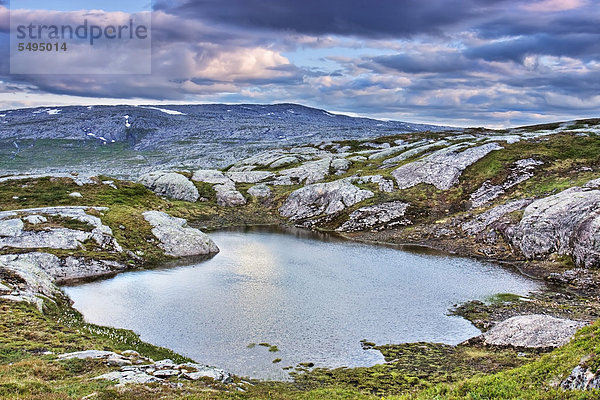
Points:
[(314, 296)]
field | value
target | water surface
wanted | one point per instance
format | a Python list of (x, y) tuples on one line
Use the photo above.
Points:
[(315, 299)]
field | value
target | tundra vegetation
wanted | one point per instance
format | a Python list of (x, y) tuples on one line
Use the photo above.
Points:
[(527, 197)]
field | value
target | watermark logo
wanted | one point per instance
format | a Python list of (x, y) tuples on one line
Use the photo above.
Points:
[(80, 37)]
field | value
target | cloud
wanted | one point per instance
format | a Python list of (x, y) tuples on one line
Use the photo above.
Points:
[(424, 63), (385, 18), (554, 5), (468, 62), (572, 45)]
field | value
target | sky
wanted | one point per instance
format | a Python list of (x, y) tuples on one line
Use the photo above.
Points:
[(494, 63)]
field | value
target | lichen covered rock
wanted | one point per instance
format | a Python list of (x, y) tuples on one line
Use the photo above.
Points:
[(323, 198), (171, 185), (442, 168), (178, 239), (532, 331), (565, 223), (228, 195), (380, 216)]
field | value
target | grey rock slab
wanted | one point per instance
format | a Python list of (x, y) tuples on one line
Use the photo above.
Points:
[(210, 176), (166, 363), (42, 270), (309, 172), (593, 184), (582, 378), (178, 239), (554, 224), (532, 331), (249, 176), (389, 151), (171, 185), (357, 158), (270, 158), (340, 165), (129, 377), (442, 168), (35, 219), (73, 268), (73, 212), (165, 373), (323, 198), (55, 238), (381, 216), (377, 145), (196, 371), (521, 171), (385, 185), (260, 191), (31, 268), (416, 151), (11, 227), (5, 289), (229, 196), (510, 139), (284, 161), (118, 361), (479, 222), (110, 183), (79, 179), (88, 354), (585, 241)]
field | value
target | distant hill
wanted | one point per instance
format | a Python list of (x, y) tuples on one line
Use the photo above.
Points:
[(127, 139)]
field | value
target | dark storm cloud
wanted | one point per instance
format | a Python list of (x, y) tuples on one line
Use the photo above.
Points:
[(586, 46), (582, 85), (516, 23), (383, 18), (416, 64)]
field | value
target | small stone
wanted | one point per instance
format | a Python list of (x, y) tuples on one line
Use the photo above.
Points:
[(110, 183), (76, 194), (35, 219), (165, 373)]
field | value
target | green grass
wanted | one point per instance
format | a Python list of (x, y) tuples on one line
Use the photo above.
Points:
[(535, 380)]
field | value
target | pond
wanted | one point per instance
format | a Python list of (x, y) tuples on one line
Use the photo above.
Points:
[(313, 296)]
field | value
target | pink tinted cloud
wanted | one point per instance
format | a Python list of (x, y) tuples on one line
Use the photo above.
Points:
[(554, 5)]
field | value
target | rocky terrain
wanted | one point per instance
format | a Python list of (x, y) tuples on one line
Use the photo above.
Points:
[(123, 141), (527, 197)]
